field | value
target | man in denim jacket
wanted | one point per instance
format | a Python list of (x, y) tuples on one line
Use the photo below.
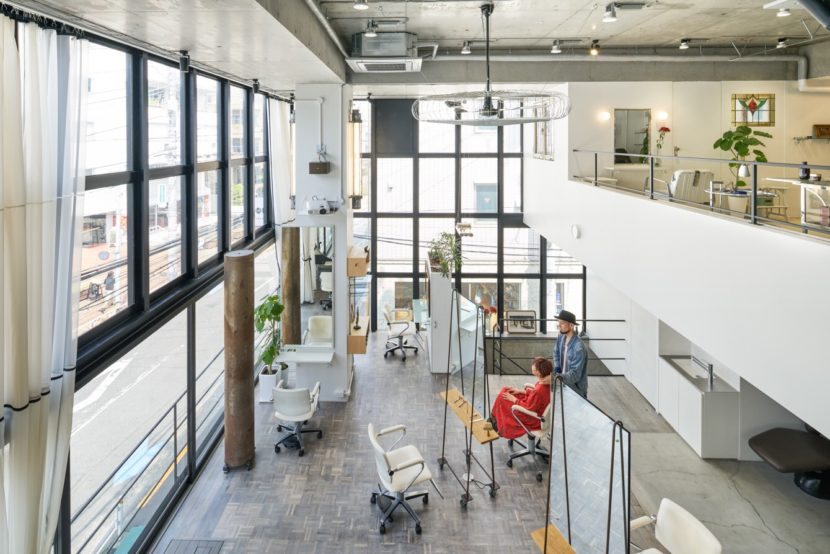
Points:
[(570, 359)]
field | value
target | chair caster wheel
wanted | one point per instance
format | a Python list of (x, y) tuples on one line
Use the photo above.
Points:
[(539, 477), (510, 443), (276, 449), (417, 528), (226, 468), (319, 434), (509, 463), (279, 428), (386, 354), (382, 529), (374, 499), (404, 358), (464, 503), (416, 350), (249, 465), (425, 500), (301, 453), (492, 493)]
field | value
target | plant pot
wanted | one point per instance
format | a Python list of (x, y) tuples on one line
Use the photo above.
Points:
[(738, 202), (267, 382)]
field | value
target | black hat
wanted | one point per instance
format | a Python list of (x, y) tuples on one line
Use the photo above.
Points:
[(565, 315)]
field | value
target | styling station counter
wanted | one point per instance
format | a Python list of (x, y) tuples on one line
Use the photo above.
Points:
[(703, 410)]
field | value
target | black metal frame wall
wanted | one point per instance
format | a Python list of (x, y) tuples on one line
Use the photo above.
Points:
[(505, 220)]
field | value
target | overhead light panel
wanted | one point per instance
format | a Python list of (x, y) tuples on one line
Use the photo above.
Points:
[(465, 49), (684, 44), (555, 49), (371, 30), (361, 5), (594, 51), (783, 12), (782, 43), (610, 13)]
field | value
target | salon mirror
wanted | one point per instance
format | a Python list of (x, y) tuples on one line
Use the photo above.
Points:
[(315, 266), (631, 135)]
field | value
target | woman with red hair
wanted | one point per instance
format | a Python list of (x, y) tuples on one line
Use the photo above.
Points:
[(535, 399)]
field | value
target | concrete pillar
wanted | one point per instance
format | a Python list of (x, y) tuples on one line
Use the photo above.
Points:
[(291, 320), (239, 359)]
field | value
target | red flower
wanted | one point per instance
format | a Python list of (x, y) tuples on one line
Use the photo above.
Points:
[(663, 130)]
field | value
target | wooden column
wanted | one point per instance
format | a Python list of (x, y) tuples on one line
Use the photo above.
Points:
[(291, 321), (239, 359)]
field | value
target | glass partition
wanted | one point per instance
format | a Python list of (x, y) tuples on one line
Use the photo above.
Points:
[(590, 460), (466, 361)]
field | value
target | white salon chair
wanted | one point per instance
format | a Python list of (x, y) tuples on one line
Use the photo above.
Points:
[(400, 331), (535, 439), (678, 531), (399, 470), (319, 330), (689, 185), (295, 406)]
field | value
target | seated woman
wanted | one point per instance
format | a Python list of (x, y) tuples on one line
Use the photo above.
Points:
[(535, 399)]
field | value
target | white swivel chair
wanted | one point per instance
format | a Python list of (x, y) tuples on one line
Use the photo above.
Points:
[(689, 185), (319, 330), (678, 531), (535, 439), (399, 332), (399, 469), (295, 406)]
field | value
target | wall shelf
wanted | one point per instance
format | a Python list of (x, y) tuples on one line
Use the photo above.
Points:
[(799, 140)]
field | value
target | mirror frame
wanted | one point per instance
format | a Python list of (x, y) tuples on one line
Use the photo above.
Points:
[(646, 144)]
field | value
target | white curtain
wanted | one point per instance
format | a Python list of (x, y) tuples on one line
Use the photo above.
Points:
[(41, 186), (282, 159)]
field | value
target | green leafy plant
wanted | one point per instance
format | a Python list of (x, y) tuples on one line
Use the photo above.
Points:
[(267, 317), (445, 254), (743, 143)]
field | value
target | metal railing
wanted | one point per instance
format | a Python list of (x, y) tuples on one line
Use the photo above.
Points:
[(762, 190)]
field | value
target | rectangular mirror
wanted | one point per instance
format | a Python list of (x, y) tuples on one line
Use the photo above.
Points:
[(316, 269), (631, 136)]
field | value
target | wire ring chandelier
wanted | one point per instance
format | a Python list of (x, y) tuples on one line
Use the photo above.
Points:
[(491, 108)]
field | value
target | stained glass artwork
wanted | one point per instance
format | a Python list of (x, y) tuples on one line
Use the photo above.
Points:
[(753, 110)]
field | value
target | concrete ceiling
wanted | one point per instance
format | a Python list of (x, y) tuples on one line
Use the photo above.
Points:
[(239, 37), (534, 24)]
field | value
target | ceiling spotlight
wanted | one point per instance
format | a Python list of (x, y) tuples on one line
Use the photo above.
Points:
[(465, 49), (783, 12), (684, 44), (371, 30), (594, 51), (782, 43), (361, 5), (555, 48), (610, 13)]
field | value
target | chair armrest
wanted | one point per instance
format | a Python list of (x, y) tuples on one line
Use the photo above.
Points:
[(394, 428), (405, 311), (407, 464), (528, 386), (402, 327), (516, 408), (315, 393), (641, 522)]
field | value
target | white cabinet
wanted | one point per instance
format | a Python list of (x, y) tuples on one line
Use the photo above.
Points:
[(438, 336), (667, 392)]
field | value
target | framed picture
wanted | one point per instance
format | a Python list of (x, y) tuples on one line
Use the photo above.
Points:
[(821, 131), (521, 321), (753, 110)]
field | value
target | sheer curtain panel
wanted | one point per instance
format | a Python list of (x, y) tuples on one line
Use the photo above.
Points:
[(41, 187), (282, 159)]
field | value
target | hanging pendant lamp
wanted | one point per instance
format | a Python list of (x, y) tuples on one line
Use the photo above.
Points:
[(491, 108)]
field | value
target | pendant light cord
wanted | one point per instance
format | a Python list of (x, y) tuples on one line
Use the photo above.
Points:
[(487, 9)]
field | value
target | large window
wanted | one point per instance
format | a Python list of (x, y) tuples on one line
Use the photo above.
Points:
[(435, 176), (164, 107), (106, 111), (207, 119)]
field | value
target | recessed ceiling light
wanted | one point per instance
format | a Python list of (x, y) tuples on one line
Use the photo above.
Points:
[(594, 51), (465, 49), (361, 5), (371, 31), (783, 12), (684, 44), (610, 14), (782, 43), (555, 48)]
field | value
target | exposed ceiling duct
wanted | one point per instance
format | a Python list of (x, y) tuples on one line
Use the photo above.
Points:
[(820, 9)]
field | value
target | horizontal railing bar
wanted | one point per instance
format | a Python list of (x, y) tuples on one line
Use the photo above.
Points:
[(700, 159)]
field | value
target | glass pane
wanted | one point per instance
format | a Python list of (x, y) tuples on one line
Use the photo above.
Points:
[(165, 233), (436, 192), (366, 178), (479, 139), (210, 363), (393, 293), (512, 185), (394, 185), (564, 294), (394, 238), (365, 109), (361, 231), (429, 228), (106, 110), (259, 195), (209, 208), (522, 251), (239, 189), (522, 294), (105, 277), (560, 261), (512, 133), (238, 115), (484, 292), (164, 85), (207, 119), (436, 137), (479, 252), (479, 185), (131, 398), (259, 125), (266, 281)]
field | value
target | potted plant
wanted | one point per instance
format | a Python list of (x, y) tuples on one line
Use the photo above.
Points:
[(445, 254), (267, 318), (744, 145)]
